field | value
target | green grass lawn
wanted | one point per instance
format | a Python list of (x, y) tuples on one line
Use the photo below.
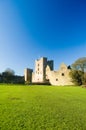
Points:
[(42, 108)]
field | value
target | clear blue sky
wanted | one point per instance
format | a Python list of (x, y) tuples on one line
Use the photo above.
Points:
[(30, 29)]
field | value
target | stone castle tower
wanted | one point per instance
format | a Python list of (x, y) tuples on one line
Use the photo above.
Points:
[(28, 75), (39, 75), (44, 73)]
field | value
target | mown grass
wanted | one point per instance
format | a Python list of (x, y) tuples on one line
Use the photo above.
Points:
[(42, 108)]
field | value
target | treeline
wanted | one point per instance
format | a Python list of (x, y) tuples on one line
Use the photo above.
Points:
[(8, 76)]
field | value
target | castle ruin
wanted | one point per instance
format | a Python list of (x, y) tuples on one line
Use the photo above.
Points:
[(44, 73)]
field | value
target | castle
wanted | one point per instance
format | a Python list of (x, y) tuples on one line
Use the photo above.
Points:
[(44, 73)]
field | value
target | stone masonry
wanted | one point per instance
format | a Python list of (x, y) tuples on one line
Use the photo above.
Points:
[(44, 73)]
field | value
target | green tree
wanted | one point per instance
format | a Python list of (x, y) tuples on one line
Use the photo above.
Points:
[(80, 64), (8, 75), (78, 72), (77, 77)]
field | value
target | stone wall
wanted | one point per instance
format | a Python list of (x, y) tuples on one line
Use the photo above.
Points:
[(59, 77)]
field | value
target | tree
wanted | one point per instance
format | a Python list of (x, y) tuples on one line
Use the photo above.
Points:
[(10, 71), (78, 72), (80, 64), (77, 77), (8, 75)]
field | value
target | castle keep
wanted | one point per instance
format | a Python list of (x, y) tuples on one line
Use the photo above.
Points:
[(44, 73)]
